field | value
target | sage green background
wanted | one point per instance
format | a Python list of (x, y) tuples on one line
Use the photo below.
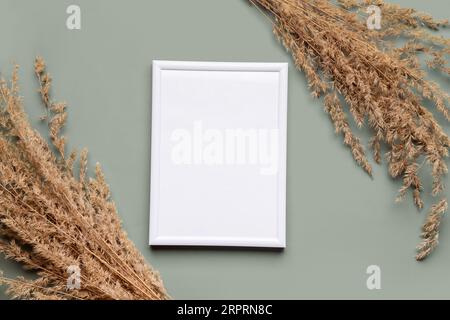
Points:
[(339, 221)]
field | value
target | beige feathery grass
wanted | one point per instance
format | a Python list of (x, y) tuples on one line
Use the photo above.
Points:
[(362, 73), (51, 220), (430, 229)]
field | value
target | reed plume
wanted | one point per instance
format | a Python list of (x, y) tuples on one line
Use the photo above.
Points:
[(362, 74), (57, 221)]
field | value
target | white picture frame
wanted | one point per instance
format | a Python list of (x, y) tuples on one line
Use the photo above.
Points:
[(210, 185)]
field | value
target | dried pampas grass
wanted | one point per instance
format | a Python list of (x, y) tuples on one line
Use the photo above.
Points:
[(59, 223), (383, 85)]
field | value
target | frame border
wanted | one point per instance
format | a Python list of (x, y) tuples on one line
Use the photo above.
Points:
[(154, 238)]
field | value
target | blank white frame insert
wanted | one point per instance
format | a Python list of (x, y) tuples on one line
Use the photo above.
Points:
[(218, 154)]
